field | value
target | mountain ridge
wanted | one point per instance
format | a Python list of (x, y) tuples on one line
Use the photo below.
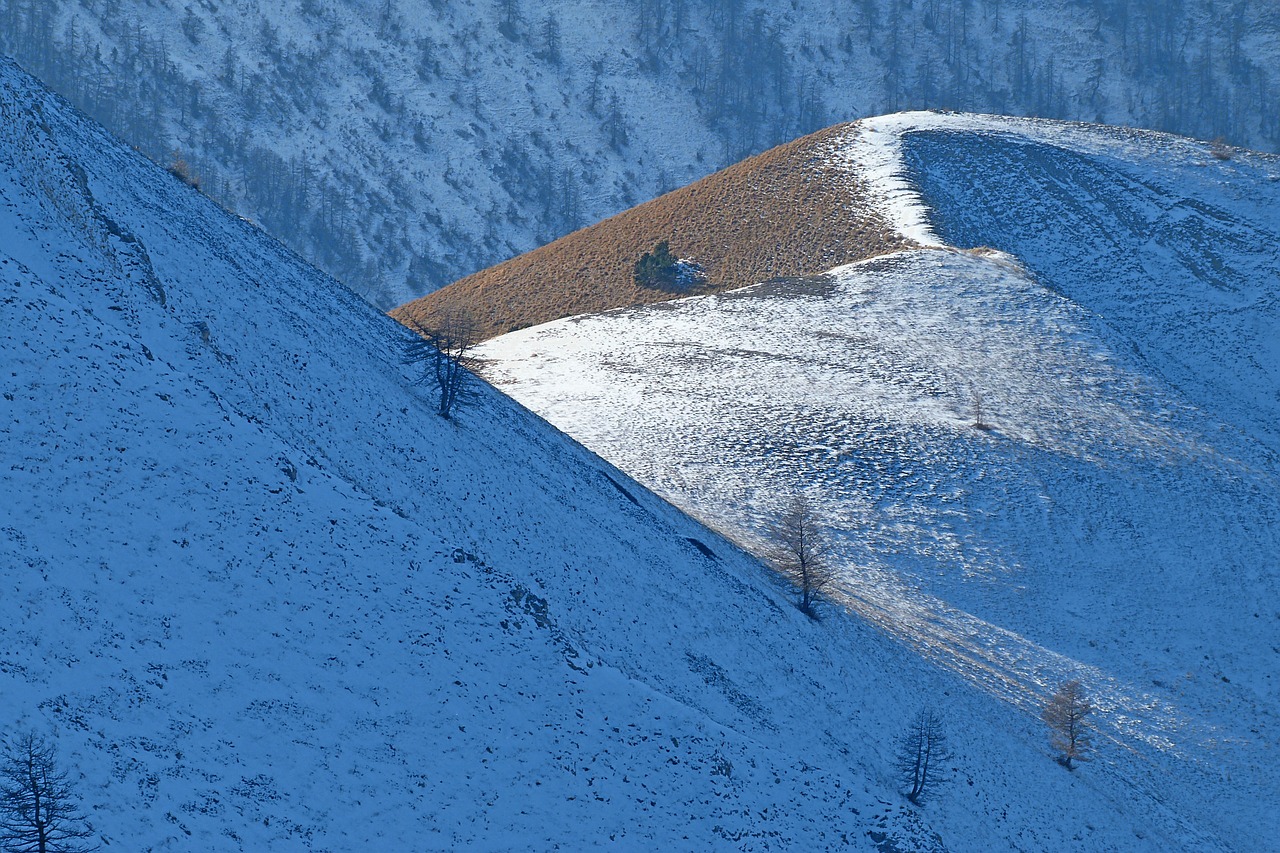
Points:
[(781, 214), (261, 597)]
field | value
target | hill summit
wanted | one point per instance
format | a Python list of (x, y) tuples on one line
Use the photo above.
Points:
[(791, 211)]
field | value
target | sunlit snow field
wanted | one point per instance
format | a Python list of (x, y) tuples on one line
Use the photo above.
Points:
[(1113, 518)]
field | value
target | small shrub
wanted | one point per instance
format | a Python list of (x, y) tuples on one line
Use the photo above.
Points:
[(181, 170), (662, 270), (656, 268)]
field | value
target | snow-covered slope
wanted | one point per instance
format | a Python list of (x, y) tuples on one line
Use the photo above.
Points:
[(403, 144), (1112, 312), (261, 598), (1174, 243)]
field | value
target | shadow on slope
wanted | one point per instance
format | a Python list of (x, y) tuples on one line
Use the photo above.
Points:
[(265, 600), (1178, 251)]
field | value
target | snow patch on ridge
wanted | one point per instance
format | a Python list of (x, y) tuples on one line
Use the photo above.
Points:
[(872, 150)]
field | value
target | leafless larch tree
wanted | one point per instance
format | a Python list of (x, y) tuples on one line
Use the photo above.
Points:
[(443, 348), (801, 553), (922, 749), (1069, 729), (38, 811)]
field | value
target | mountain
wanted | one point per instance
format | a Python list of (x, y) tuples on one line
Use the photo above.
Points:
[(404, 144), (260, 597), (1043, 436)]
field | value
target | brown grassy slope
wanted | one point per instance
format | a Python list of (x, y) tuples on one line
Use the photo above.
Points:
[(782, 213)]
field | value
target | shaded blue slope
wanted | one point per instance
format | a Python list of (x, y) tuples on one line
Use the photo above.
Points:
[(263, 599), (1177, 251)]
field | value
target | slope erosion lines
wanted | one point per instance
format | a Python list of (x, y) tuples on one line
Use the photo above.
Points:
[(1164, 253)]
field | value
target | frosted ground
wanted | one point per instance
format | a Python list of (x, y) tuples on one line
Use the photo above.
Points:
[(1113, 306), (262, 599)]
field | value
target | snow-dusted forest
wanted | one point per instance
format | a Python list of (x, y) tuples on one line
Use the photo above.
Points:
[(401, 144)]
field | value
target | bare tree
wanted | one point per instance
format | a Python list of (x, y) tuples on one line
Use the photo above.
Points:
[(978, 421), (921, 749), (38, 812), (1069, 729), (510, 11), (801, 553), (551, 40), (444, 349)]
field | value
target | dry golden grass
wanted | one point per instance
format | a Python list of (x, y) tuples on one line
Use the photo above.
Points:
[(781, 213)]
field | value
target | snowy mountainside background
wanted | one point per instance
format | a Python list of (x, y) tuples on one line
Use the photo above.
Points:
[(1108, 297), (403, 144), (261, 598)]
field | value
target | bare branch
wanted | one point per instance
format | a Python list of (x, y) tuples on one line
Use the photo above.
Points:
[(38, 811)]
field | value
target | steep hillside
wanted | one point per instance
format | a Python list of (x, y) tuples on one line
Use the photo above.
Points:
[(1049, 459), (1181, 255), (403, 144), (261, 598), (787, 212)]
